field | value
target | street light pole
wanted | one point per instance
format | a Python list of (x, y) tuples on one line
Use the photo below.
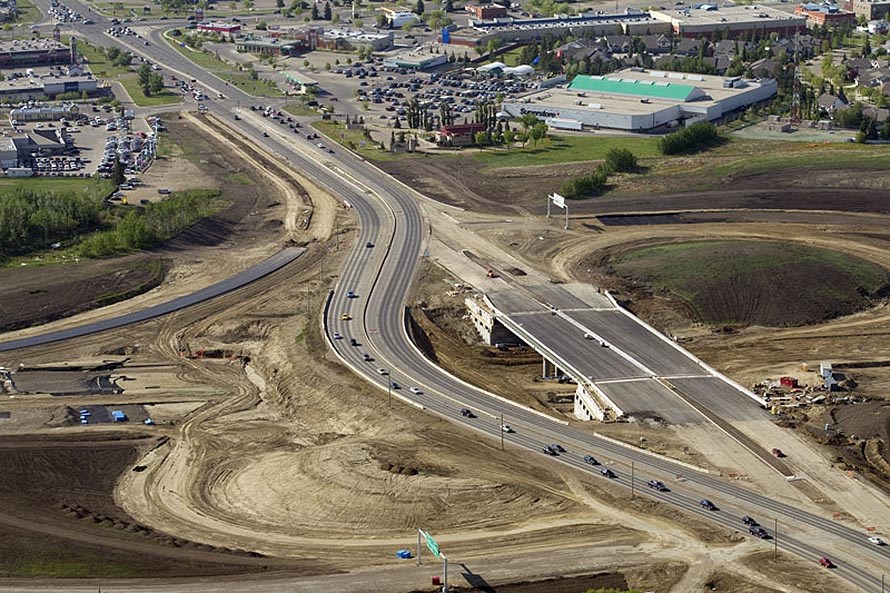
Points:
[(502, 431), (389, 379), (632, 480), (776, 538)]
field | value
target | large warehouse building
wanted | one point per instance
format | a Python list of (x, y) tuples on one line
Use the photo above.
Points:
[(705, 20), (641, 100)]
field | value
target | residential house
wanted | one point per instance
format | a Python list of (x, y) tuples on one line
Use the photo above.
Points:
[(459, 134), (830, 103)]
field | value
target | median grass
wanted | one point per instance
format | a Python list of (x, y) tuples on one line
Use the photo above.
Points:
[(28, 13), (355, 141), (95, 57), (258, 87), (755, 282)]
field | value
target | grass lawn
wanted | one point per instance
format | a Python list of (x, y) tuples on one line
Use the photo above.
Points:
[(97, 186), (567, 149), (734, 281), (300, 108), (28, 13), (97, 61), (166, 97), (260, 87), (354, 140)]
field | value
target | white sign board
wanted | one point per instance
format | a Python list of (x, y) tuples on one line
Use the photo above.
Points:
[(558, 200)]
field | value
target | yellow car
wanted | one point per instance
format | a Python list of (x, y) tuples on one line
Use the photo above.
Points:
[(345, 316)]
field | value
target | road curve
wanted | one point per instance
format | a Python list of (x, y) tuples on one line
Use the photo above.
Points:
[(251, 274), (381, 277)]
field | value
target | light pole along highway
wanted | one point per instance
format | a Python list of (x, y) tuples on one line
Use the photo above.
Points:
[(381, 277)]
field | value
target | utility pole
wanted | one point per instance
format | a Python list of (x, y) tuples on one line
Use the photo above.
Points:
[(418, 547), (389, 378), (632, 480), (502, 431), (776, 538)]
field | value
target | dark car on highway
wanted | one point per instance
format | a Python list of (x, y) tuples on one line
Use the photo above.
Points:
[(549, 450), (749, 520), (467, 413), (591, 460), (608, 473), (758, 531), (658, 485), (707, 504)]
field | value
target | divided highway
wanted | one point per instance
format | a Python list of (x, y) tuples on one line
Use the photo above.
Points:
[(381, 277)]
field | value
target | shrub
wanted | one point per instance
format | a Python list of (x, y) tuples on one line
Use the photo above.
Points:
[(694, 138), (585, 186), (621, 160)]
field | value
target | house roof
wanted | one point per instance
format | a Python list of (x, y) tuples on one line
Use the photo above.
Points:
[(659, 89)]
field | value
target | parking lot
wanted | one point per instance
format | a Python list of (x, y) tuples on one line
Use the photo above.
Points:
[(387, 91)]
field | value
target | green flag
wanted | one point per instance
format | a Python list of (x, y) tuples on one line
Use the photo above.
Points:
[(430, 543)]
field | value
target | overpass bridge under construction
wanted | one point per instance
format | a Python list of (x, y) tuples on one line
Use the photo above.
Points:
[(623, 368)]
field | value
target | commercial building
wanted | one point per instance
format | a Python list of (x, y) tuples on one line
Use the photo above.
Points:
[(268, 46), (705, 20), (459, 134), (300, 81), (21, 53), (218, 27), (871, 10), (415, 61), (630, 22), (354, 39), (34, 88), (398, 18), (640, 100), (486, 11), (820, 14)]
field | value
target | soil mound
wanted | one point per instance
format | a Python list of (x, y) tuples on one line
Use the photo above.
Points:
[(755, 283)]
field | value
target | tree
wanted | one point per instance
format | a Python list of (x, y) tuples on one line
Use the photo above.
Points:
[(479, 138), (142, 76), (117, 173), (449, 5), (155, 83), (279, 4), (327, 11), (493, 45), (537, 133), (419, 8), (315, 11)]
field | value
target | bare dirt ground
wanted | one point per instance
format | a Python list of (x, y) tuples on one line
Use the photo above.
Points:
[(841, 210), (281, 452)]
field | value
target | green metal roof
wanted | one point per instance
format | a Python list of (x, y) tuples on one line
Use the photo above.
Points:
[(659, 89)]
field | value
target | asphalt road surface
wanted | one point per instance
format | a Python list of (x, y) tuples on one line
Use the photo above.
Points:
[(382, 276), (264, 268)]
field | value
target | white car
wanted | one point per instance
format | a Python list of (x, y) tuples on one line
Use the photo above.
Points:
[(415, 391), (382, 371), (506, 428), (337, 336), (876, 541)]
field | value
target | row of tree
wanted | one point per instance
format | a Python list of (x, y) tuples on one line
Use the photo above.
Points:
[(141, 228), (699, 136), (31, 220)]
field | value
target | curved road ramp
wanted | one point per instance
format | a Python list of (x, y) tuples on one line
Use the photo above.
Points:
[(251, 274)]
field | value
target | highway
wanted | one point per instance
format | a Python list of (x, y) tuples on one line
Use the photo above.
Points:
[(382, 276)]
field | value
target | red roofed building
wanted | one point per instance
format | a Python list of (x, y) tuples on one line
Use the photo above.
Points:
[(218, 27), (486, 11), (459, 134)]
